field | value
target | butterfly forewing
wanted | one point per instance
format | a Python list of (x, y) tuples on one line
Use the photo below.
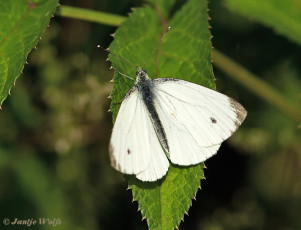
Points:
[(134, 146), (125, 147), (196, 119)]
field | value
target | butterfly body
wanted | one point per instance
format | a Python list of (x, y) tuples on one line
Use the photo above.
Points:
[(145, 87)]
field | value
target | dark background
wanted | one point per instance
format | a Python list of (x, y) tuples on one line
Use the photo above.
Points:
[(54, 133)]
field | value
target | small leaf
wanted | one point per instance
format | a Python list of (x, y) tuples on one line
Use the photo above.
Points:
[(25, 22), (282, 15), (185, 53)]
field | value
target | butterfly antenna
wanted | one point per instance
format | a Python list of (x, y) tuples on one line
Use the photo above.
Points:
[(125, 75), (108, 51), (156, 47)]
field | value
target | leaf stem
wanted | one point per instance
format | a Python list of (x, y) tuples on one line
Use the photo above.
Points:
[(90, 15), (255, 85)]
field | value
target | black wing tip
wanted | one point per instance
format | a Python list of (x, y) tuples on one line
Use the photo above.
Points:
[(240, 111), (113, 159)]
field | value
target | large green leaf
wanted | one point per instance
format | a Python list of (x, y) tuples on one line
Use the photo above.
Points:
[(282, 15), (184, 53), (22, 24)]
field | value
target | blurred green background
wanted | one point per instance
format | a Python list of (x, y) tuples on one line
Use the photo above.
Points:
[(55, 129)]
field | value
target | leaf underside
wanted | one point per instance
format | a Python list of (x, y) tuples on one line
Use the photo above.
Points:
[(185, 53), (22, 24)]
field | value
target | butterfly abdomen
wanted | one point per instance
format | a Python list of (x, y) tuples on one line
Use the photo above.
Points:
[(145, 86)]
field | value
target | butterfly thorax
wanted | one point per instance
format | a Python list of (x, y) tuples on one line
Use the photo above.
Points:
[(145, 87)]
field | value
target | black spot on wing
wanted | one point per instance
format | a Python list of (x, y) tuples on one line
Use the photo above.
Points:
[(213, 120), (129, 151)]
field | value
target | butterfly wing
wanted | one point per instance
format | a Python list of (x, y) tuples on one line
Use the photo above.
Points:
[(196, 119), (158, 165), (134, 146)]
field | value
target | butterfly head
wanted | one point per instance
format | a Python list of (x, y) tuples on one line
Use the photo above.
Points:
[(141, 75)]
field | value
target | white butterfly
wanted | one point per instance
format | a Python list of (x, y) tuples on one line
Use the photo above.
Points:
[(167, 119)]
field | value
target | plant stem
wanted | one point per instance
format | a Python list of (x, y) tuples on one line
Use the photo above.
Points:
[(254, 84), (233, 69), (90, 15)]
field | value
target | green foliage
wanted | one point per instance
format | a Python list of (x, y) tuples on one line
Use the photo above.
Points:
[(282, 15), (26, 170), (184, 53), (25, 22)]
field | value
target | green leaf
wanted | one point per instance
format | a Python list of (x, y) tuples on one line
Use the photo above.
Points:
[(282, 15), (25, 22), (164, 203), (185, 53)]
